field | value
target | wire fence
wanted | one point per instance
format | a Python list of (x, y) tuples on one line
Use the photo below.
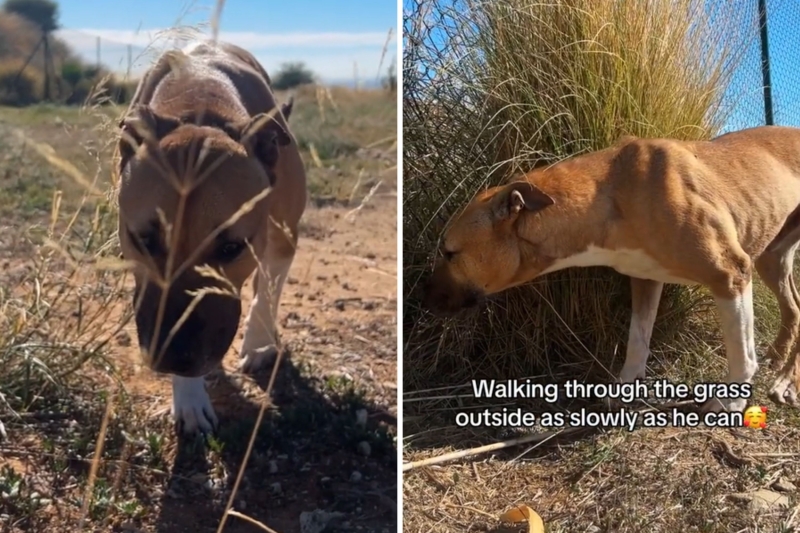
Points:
[(766, 89)]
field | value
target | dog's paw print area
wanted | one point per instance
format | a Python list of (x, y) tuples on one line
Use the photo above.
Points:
[(323, 457)]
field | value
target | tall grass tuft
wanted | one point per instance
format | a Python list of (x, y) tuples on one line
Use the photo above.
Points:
[(493, 89)]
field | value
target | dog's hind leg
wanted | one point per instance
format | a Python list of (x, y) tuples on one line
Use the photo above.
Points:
[(775, 268), (645, 295), (261, 343), (785, 388), (738, 331)]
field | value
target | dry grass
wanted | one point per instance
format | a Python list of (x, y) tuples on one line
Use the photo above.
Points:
[(520, 84), (80, 447), (492, 89)]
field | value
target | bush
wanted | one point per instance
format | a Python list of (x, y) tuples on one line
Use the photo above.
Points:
[(72, 72), (390, 81), (495, 88), (105, 90), (19, 89), (292, 75), (80, 92)]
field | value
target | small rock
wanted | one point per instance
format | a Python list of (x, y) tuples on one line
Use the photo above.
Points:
[(784, 485), (356, 476), (242, 505), (317, 520), (123, 339), (761, 500), (361, 418), (272, 467), (364, 448), (276, 488)]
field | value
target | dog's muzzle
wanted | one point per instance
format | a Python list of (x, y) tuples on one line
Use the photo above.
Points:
[(450, 299), (187, 343)]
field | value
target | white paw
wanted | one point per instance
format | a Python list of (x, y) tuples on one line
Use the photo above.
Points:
[(629, 374), (256, 359), (715, 405), (191, 406), (784, 391)]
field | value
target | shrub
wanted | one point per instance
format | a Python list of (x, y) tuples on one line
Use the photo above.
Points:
[(495, 88), (292, 75), (80, 92), (19, 89), (72, 72)]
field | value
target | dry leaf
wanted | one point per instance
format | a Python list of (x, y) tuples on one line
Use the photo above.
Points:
[(523, 513)]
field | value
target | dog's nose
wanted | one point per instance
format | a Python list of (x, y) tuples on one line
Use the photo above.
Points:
[(174, 363), (178, 356)]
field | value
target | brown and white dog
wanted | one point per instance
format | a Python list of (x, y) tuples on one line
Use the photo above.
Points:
[(210, 176), (660, 211)]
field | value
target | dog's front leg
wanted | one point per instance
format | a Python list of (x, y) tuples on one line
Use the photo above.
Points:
[(260, 344), (736, 318), (645, 295), (191, 406)]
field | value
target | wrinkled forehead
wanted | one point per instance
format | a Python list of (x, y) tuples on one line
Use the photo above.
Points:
[(466, 224), (213, 201)]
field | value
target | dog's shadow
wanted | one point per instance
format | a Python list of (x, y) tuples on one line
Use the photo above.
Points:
[(312, 453)]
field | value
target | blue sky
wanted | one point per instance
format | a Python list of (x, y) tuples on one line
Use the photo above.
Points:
[(746, 97), (329, 36)]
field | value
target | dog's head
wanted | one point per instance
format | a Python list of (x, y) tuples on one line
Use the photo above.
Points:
[(193, 204), (481, 252)]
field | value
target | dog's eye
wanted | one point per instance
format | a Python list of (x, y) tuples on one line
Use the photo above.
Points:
[(230, 250), (145, 243), (448, 255)]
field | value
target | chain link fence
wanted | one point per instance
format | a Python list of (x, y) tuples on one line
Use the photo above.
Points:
[(766, 86)]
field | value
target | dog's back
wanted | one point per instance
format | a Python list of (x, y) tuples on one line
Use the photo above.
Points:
[(216, 83)]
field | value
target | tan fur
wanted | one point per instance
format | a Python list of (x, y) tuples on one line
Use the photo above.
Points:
[(707, 213), (205, 120)]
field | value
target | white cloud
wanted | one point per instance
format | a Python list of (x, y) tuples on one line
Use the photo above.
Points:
[(331, 56), (250, 40)]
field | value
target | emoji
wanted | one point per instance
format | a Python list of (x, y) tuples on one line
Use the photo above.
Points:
[(755, 417)]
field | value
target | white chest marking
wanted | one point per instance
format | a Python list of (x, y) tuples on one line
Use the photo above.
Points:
[(634, 263)]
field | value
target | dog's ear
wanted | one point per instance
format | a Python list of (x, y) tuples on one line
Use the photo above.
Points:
[(142, 125), (261, 136), (286, 109), (518, 196)]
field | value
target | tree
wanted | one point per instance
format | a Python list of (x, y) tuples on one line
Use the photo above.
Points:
[(43, 13), (291, 75)]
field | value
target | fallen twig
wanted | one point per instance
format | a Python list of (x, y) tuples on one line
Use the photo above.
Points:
[(533, 437)]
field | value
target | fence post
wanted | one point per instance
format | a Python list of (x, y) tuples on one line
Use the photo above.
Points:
[(762, 17)]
